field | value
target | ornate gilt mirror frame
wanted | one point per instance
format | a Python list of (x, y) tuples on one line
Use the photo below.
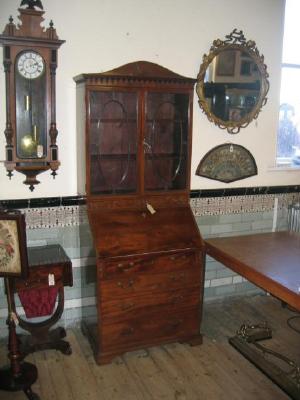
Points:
[(234, 76)]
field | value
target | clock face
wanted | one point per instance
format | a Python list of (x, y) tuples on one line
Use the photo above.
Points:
[(30, 65)]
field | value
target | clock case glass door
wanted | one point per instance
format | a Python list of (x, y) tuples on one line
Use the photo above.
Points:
[(31, 106)]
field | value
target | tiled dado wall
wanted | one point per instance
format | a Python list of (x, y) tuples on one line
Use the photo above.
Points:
[(217, 214)]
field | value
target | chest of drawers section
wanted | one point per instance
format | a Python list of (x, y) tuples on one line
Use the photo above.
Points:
[(146, 300)]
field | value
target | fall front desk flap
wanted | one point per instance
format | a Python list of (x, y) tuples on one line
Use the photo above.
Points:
[(132, 232)]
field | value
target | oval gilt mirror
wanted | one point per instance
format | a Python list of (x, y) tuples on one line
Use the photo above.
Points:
[(232, 82)]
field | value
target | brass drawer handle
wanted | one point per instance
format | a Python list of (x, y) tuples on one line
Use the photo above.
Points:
[(132, 264), (124, 285), (184, 256), (126, 267), (177, 299), (127, 332), (127, 306), (176, 323), (154, 287), (177, 277)]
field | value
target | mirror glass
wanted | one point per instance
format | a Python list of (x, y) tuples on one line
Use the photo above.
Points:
[(232, 82)]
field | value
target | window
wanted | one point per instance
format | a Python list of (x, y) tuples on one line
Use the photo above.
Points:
[(288, 139)]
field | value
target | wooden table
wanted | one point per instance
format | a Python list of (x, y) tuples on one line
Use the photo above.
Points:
[(269, 260), (272, 262)]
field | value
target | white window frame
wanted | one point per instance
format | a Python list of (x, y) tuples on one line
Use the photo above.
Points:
[(283, 162)]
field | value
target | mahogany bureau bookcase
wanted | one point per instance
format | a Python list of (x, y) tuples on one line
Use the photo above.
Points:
[(134, 150)]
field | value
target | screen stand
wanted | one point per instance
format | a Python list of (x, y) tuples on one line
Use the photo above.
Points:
[(18, 375)]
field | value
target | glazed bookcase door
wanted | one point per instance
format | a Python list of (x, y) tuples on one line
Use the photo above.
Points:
[(166, 141), (113, 142)]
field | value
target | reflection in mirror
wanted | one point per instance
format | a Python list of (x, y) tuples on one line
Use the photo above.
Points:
[(232, 82)]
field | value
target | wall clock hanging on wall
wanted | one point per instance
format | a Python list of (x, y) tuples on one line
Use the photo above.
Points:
[(30, 62), (227, 163)]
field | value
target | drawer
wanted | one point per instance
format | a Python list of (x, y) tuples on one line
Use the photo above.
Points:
[(127, 308), (124, 286), (38, 277), (149, 328), (147, 264)]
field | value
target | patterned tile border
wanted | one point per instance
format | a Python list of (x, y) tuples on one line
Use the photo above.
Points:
[(52, 217), (62, 216), (241, 204)]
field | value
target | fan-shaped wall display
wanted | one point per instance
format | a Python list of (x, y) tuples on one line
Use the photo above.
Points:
[(227, 163)]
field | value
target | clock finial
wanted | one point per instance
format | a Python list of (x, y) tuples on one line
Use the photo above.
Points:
[(32, 4)]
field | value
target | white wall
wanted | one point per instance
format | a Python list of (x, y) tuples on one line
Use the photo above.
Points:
[(104, 34)]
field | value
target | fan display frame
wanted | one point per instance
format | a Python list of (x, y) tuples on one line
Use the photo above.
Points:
[(227, 163)]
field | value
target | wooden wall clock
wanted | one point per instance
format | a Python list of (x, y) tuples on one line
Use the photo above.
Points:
[(30, 62)]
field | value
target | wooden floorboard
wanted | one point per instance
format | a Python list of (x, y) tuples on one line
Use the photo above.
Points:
[(212, 371)]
